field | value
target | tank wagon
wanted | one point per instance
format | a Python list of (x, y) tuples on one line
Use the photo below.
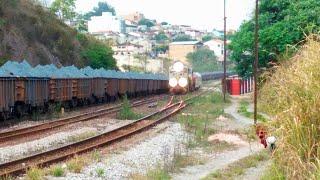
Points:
[(25, 89), (182, 79)]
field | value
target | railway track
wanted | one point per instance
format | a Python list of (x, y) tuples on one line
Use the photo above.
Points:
[(52, 125), (19, 166)]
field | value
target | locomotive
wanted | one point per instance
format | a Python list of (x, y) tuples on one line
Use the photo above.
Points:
[(182, 79)]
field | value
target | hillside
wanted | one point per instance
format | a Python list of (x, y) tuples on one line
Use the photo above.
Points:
[(28, 31)]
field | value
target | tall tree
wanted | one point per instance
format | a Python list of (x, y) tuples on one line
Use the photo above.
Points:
[(204, 60), (65, 9), (283, 23), (97, 11)]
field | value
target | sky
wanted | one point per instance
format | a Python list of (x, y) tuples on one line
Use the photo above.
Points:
[(201, 14)]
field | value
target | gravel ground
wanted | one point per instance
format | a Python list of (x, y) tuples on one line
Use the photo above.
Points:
[(139, 158), (14, 152)]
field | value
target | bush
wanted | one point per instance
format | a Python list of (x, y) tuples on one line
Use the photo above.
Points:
[(57, 171), (126, 110), (292, 96), (98, 55)]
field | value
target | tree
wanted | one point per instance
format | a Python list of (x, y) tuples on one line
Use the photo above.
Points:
[(97, 53), (183, 37), (207, 38), (65, 9), (283, 23), (97, 11), (146, 22), (164, 23), (161, 37), (160, 48), (204, 60)]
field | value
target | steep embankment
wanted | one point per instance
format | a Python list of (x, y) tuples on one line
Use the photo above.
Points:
[(28, 31), (292, 96)]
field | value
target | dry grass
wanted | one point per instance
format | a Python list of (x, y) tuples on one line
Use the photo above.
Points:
[(292, 95), (77, 164), (34, 174)]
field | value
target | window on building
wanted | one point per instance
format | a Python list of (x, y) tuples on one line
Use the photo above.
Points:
[(218, 45), (222, 52)]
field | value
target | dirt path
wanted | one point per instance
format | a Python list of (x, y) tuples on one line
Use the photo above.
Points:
[(233, 111), (255, 173), (217, 161), (221, 160)]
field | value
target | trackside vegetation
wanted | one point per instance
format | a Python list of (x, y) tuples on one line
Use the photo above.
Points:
[(291, 96)]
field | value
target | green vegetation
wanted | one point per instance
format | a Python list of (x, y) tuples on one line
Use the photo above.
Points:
[(96, 156), (97, 53), (274, 173), (183, 37), (160, 48), (291, 95), (57, 171), (65, 9), (76, 164), (34, 174), (161, 37), (243, 110), (100, 172), (239, 167), (283, 24), (31, 32), (146, 22), (202, 125), (156, 174), (207, 38), (204, 60), (126, 111), (97, 11)]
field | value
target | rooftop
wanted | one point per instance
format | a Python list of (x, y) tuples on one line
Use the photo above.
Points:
[(185, 43)]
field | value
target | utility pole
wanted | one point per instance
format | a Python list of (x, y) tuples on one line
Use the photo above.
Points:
[(225, 54), (255, 64)]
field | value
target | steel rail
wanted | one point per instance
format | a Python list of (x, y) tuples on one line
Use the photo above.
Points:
[(49, 126), (19, 166)]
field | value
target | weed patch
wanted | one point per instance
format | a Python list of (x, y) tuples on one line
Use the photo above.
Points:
[(34, 174), (76, 164), (57, 171), (126, 111)]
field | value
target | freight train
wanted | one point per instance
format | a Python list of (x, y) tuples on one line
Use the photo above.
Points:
[(25, 89), (182, 79)]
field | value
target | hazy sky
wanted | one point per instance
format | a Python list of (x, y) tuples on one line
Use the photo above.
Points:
[(203, 14)]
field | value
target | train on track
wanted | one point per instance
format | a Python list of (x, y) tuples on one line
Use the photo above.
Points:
[(25, 89), (182, 79)]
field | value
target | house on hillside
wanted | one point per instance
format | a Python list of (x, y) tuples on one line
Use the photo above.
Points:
[(105, 24), (217, 46), (180, 50)]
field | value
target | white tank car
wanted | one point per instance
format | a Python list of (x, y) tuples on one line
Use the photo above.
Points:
[(182, 79)]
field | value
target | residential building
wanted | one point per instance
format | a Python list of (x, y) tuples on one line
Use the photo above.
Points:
[(218, 33), (180, 50), (105, 24), (135, 17), (217, 46)]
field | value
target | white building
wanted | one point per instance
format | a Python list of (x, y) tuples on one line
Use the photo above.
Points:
[(217, 46), (106, 23)]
